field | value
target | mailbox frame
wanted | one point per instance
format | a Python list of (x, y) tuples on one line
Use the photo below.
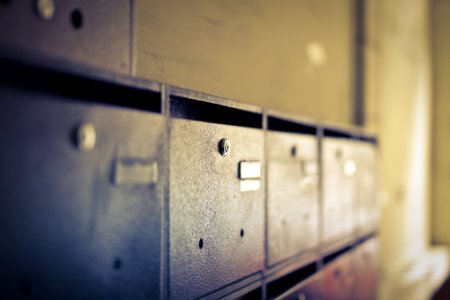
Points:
[(216, 229), (90, 234), (290, 141)]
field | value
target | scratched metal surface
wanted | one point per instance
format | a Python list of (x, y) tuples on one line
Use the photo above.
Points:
[(292, 197), (67, 232), (102, 41), (339, 189), (206, 203)]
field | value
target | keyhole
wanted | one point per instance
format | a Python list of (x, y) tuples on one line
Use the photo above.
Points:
[(117, 264), (77, 19), (294, 151)]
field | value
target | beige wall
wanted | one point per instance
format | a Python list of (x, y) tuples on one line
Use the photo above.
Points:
[(291, 55), (403, 126), (399, 108), (441, 121)]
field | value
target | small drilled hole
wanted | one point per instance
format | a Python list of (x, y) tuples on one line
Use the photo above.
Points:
[(294, 151), (77, 19), (200, 243), (117, 264), (338, 154), (242, 233)]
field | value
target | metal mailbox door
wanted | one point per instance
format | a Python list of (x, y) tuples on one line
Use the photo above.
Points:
[(339, 187), (90, 32), (338, 279), (81, 194), (292, 194), (367, 185), (366, 270), (216, 206)]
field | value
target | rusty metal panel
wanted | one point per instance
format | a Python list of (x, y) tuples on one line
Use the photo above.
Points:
[(216, 227), (339, 187), (89, 32), (70, 230), (366, 266), (338, 278), (292, 194)]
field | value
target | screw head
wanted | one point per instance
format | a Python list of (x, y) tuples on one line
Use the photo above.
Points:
[(45, 9), (86, 137), (224, 147)]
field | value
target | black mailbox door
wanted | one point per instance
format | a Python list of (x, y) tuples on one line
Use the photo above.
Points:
[(81, 193), (216, 206)]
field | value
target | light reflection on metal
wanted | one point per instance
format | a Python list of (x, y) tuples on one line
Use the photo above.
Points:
[(250, 185), (249, 169), (350, 167), (132, 171), (309, 167), (86, 137), (45, 9)]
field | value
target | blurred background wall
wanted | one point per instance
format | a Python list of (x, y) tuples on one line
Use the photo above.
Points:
[(290, 55), (399, 81), (382, 64), (440, 21)]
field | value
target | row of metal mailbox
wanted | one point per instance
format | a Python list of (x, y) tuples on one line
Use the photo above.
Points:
[(182, 195)]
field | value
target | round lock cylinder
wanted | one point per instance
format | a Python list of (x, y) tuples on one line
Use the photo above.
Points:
[(224, 147), (45, 9), (86, 137)]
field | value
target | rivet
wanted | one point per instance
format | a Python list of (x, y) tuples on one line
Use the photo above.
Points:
[(224, 147), (45, 9), (86, 137)]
